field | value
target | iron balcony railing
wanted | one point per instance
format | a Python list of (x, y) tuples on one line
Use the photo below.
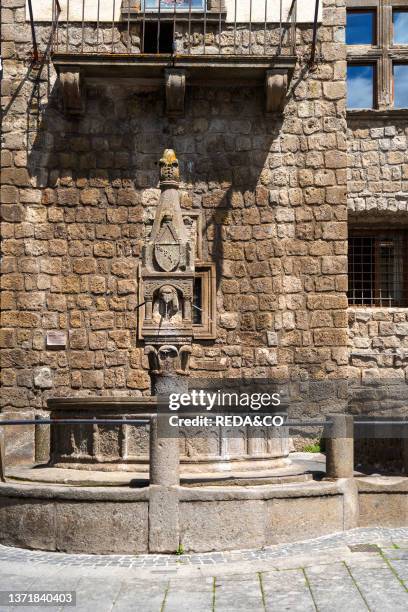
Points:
[(175, 27)]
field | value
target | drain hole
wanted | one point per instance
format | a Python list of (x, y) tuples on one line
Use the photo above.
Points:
[(368, 548)]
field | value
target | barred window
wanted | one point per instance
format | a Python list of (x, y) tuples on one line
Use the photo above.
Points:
[(378, 265)]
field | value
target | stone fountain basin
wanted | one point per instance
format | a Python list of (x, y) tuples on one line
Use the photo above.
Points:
[(126, 447), (299, 470), (115, 520)]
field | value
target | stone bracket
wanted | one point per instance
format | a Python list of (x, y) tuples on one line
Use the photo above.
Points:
[(179, 358), (73, 91), (276, 86), (2, 454), (175, 85)]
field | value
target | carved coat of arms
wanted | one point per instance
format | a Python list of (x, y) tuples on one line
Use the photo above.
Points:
[(167, 248)]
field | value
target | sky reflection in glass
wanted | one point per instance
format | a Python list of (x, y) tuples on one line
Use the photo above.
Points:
[(360, 28), (401, 86), (400, 20), (168, 5), (360, 86)]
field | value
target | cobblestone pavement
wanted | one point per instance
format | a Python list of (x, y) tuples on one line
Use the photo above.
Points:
[(364, 569)]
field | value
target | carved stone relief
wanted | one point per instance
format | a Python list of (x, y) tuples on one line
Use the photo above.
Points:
[(167, 278)]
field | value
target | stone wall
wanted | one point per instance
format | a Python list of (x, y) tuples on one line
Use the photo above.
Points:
[(378, 197), (378, 169), (76, 194), (379, 343), (378, 382)]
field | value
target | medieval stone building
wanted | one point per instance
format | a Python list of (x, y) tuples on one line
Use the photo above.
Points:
[(294, 190)]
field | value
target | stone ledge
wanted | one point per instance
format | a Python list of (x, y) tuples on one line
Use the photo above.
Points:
[(145, 65), (382, 484), (373, 113)]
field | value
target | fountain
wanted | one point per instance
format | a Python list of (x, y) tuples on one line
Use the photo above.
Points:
[(166, 282), (127, 488)]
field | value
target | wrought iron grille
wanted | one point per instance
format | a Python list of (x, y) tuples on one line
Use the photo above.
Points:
[(175, 27), (378, 266)]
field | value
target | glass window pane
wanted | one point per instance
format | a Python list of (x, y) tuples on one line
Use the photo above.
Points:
[(168, 5), (360, 86), (198, 301), (391, 269), (400, 19), (360, 28), (401, 85)]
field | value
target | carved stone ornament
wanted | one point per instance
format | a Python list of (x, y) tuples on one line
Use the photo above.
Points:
[(169, 359), (169, 170), (72, 92), (167, 277), (167, 303), (276, 85), (175, 83), (167, 247)]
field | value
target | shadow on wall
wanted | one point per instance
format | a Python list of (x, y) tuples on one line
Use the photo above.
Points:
[(222, 142)]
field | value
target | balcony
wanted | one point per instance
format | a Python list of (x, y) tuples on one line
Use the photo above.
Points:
[(183, 42)]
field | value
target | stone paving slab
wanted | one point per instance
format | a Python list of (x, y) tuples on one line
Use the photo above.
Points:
[(238, 593), (333, 588), (195, 594), (381, 589), (401, 568), (315, 576), (287, 590), (137, 595)]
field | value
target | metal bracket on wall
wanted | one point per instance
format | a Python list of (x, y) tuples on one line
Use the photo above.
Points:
[(175, 84), (2, 455), (276, 86), (73, 91)]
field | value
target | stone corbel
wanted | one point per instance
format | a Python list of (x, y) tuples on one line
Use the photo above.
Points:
[(276, 86), (175, 81), (154, 361), (178, 359), (73, 94), (184, 353)]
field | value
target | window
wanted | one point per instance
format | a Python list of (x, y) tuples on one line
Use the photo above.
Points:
[(377, 35), (360, 28), (155, 41), (204, 302), (170, 5), (360, 86), (377, 268), (400, 85), (400, 27), (198, 300)]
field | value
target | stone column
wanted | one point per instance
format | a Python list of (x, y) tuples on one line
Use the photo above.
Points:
[(42, 440), (340, 446), (164, 528)]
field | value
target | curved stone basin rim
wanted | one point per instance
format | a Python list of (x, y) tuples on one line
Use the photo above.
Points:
[(116, 447)]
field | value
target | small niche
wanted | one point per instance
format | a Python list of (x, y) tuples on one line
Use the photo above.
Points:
[(158, 42)]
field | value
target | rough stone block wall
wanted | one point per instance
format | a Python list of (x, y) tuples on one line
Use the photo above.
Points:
[(378, 168), (378, 376), (378, 197), (379, 343), (77, 192)]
